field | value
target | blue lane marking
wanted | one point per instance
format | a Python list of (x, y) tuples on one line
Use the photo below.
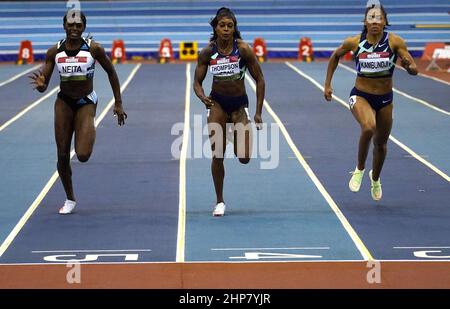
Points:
[(9, 70), (273, 208), (413, 211), (119, 21), (128, 192), (202, 27), (235, 4), (123, 204), (212, 10), (17, 99), (432, 91), (30, 141)]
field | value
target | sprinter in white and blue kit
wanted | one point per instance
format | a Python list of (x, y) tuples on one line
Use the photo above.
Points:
[(228, 57), (76, 103), (375, 51)]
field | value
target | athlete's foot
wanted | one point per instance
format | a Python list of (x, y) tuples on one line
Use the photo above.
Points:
[(67, 208), (219, 210), (355, 182), (375, 188)]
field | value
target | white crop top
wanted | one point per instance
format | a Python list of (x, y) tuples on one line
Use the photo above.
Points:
[(75, 64)]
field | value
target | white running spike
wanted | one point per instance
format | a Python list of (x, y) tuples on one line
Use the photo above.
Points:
[(67, 208)]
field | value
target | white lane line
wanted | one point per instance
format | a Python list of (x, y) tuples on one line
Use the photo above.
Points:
[(15, 231), (19, 75), (425, 247), (420, 158), (403, 146), (94, 250), (426, 76), (353, 235), (182, 187), (28, 108), (289, 248)]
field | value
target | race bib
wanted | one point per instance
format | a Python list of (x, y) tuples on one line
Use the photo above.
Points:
[(375, 62), (225, 67)]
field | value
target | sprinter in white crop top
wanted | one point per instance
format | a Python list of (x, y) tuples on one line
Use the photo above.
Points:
[(76, 103)]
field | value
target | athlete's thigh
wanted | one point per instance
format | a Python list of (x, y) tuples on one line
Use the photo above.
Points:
[(384, 124), (217, 120), (363, 112), (64, 125), (85, 128), (242, 133)]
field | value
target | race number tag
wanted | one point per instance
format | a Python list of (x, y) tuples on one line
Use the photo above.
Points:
[(224, 67), (352, 101), (374, 62)]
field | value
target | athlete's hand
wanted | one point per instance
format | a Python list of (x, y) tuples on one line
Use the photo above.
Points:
[(208, 102), (408, 66), (328, 93), (405, 63), (37, 80), (258, 121), (119, 113)]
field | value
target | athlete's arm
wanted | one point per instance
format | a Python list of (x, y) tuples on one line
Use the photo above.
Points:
[(255, 71), (349, 44), (41, 79), (407, 60), (200, 74), (99, 54)]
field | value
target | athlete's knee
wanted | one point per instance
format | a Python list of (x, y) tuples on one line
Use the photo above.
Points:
[(63, 164), (63, 157), (368, 130), (83, 156), (244, 160), (380, 145)]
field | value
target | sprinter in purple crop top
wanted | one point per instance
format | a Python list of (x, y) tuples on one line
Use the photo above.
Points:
[(227, 56), (375, 51)]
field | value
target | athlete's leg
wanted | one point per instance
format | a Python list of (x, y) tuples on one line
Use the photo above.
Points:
[(217, 121), (383, 130), (85, 131), (365, 115), (242, 135), (64, 127)]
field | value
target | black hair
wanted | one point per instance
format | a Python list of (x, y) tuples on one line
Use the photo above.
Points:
[(383, 11), (224, 12), (73, 13)]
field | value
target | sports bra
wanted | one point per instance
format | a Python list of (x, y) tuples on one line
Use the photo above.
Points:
[(75, 64), (375, 61), (227, 67)]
